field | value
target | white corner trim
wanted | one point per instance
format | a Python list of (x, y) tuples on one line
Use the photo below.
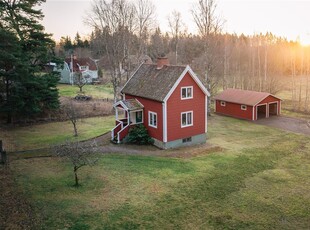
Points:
[(165, 136), (206, 115)]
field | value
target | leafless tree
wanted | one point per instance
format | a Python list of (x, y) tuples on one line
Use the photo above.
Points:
[(176, 26), (79, 80), (78, 153), (209, 26), (145, 13), (73, 114), (115, 21)]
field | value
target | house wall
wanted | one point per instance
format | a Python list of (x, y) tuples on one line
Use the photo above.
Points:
[(175, 106), (153, 106), (234, 110), (65, 74)]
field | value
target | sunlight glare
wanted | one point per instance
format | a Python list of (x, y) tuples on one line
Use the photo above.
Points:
[(304, 39)]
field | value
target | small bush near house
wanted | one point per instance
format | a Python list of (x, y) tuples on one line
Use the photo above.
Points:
[(138, 135)]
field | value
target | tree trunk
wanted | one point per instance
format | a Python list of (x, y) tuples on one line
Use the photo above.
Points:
[(75, 129), (76, 177)]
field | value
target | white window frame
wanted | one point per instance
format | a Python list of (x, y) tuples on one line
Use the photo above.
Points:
[(192, 120), (223, 103), (186, 88), (243, 107), (152, 114)]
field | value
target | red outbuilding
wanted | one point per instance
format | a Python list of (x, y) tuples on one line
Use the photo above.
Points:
[(170, 101), (245, 104)]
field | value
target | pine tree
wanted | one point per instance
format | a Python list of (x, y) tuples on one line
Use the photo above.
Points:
[(25, 48)]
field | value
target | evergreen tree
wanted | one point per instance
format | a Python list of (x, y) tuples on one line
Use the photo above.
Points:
[(25, 49)]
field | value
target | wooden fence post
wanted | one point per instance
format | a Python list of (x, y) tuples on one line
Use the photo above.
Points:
[(3, 154)]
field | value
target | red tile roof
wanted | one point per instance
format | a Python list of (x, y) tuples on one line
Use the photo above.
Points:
[(244, 97)]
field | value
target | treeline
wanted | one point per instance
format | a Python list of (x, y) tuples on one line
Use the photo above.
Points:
[(262, 62)]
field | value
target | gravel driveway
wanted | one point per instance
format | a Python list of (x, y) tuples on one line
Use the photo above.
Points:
[(287, 123)]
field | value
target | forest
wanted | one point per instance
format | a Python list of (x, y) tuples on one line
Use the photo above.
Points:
[(124, 33)]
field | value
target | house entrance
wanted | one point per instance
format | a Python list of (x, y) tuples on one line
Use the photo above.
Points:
[(261, 111), (273, 109)]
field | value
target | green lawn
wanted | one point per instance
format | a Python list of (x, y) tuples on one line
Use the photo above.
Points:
[(96, 91), (260, 180), (44, 135)]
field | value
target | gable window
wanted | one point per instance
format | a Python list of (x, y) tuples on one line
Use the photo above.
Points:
[(243, 107), (153, 119), (223, 103), (187, 119), (187, 92)]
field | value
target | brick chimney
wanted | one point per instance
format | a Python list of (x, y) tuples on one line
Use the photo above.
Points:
[(161, 62)]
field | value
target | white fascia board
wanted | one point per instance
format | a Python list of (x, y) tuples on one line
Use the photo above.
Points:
[(194, 77), (122, 104)]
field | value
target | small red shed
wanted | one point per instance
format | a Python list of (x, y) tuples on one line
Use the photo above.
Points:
[(245, 104), (170, 101)]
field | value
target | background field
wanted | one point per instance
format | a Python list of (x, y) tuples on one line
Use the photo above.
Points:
[(260, 180), (96, 91), (45, 135)]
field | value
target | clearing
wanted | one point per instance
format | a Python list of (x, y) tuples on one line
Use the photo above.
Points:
[(257, 177)]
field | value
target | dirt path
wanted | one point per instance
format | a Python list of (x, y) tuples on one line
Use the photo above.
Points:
[(290, 124), (105, 146)]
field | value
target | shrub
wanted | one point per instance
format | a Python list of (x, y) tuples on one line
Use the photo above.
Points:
[(138, 135)]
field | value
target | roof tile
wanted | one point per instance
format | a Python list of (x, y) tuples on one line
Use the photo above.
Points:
[(153, 83)]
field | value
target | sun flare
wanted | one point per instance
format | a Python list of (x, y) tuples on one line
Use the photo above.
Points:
[(304, 39)]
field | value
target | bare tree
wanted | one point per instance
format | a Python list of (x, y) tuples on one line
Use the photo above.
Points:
[(79, 154), (209, 26), (73, 114), (114, 20), (176, 26), (145, 13), (79, 80)]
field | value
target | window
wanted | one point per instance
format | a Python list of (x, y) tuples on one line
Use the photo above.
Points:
[(187, 92), (185, 140), (223, 103), (186, 119), (153, 119), (83, 67), (243, 107)]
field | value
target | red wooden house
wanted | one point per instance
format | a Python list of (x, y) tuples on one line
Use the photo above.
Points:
[(170, 101), (246, 104)]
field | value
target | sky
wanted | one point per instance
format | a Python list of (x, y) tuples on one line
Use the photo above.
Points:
[(285, 18)]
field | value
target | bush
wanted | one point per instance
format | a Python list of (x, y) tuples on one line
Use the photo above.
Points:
[(138, 135)]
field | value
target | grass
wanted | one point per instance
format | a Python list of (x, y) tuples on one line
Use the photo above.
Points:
[(44, 135), (96, 91), (259, 181)]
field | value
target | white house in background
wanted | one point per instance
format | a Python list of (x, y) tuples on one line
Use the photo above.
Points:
[(87, 66)]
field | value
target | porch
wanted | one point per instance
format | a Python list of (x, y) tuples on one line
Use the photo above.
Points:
[(127, 113)]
